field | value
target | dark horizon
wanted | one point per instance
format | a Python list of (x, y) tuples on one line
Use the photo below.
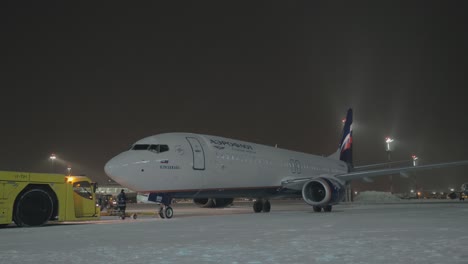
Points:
[(85, 82)]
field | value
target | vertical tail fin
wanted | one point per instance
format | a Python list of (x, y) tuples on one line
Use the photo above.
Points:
[(345, 149), (346, 143)]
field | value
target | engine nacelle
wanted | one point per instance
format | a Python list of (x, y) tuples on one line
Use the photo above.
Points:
[(323, 191), (213, 203)]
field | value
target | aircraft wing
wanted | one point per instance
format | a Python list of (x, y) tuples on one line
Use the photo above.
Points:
[(297, 183), (373, 173)]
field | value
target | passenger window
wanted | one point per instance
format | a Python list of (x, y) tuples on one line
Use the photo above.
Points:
[(83, 189)]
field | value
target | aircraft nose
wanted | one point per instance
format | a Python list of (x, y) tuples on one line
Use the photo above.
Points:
[(114, 167), (110, 167)]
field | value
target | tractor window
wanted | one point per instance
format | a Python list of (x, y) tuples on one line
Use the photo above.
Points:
[(83, 189)]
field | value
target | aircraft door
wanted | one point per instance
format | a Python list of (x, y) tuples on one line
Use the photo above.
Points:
[(198, 153)]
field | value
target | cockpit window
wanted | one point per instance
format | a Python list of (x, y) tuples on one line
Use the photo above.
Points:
[(140, 147), (163, 148), (159, 148), (154, 148)]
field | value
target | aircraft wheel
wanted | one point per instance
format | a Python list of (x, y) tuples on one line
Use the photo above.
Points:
[(168, 212), (266, 206), (258, 206), (134, 216), (161, 213), (317, 209), (34, 208), (327, 208)]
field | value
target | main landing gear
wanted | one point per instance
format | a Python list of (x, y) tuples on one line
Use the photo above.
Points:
[(326, 208), (261, 205)]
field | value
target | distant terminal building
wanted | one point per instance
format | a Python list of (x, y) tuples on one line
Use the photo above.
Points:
[(114, 190)]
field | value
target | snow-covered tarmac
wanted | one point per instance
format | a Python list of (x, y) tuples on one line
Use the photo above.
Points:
[(291, 233)]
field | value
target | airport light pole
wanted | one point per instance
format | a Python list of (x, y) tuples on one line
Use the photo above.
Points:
[(52, 159), (389, 140), (415, 163), (388, 149)]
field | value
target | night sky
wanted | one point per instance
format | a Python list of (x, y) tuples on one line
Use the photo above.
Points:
[(86, 81)]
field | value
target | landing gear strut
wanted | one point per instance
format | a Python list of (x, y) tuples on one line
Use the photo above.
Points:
[(164, 200), (261, 205)]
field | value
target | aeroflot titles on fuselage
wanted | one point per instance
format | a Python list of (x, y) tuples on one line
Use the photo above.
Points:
[(231, 144)]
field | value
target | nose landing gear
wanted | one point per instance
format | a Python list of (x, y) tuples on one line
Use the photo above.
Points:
[(164, 200), (165, 211)]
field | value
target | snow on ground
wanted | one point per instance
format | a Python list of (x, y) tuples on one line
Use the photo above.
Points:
[(352, 233), (376, 197)]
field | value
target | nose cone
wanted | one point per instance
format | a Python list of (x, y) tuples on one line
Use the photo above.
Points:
[(116, 169), (109, 168)]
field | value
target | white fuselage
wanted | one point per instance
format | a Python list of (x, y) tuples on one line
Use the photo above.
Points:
[(201, 164)]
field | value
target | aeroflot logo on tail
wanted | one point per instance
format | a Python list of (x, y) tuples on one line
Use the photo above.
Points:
[(231, 144)]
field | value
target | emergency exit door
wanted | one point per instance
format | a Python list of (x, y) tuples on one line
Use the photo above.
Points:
[(198, 154)]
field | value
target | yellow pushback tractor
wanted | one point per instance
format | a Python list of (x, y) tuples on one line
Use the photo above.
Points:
[(33, 199)]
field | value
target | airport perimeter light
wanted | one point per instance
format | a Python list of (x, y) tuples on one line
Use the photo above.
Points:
[(69, 170), (389, 140), (415, 160), (52, 159)]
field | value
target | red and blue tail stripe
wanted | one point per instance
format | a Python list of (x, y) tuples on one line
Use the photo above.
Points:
[(346, 143)]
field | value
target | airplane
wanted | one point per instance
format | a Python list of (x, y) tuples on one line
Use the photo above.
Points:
[(213, 170)]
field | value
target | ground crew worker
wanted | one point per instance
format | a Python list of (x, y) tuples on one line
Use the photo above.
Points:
[(122, 203)]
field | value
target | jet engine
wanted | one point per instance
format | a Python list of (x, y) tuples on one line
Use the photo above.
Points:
[(323, 191), (212, 202)]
